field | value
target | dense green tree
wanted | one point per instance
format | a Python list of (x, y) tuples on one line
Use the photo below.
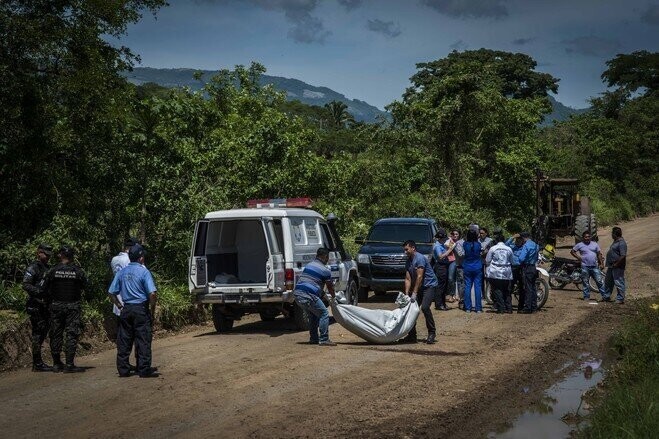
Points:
[(339, 115)]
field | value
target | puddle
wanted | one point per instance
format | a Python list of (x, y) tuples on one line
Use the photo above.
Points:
[(560, 410)]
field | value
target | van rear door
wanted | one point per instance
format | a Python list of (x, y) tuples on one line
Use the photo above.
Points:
[(197, 278), (275, 266)]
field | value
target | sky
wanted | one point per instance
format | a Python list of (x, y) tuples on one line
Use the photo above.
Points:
[(368, 49)]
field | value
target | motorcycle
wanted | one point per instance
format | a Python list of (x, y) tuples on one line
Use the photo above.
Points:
[(564, 271), (541, 287)]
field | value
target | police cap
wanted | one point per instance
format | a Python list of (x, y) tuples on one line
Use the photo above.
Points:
[(131, 241), (46, 249), (66, 251)]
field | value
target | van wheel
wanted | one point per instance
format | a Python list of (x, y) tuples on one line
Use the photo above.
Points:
[(301, 318), (269, 315), (353, 292), (362, 294), (221, 321)]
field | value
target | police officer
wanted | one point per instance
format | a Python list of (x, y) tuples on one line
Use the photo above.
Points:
[(134, 283), (516, 242), (37, 305), (64, 284), (528, 258)]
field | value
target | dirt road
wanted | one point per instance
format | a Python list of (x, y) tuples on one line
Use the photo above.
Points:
[(261, 380)]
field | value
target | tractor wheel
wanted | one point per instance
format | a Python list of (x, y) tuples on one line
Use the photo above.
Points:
[(581, 225), (593, 228)]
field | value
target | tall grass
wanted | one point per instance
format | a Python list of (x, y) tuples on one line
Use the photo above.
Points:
[(630, 406)]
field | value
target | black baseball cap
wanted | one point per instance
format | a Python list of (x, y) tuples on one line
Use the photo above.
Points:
[(131, 241), (136, 252), (440, 233), (525, 235), (46, 249), (66, 251)]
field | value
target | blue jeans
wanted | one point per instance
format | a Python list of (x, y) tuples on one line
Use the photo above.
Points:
[(318, 316), (614, 276), (474, 277), (595, 273), (451, 278)]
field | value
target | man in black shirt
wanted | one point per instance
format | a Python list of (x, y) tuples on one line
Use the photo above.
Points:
[(64, 284), (37, 305)]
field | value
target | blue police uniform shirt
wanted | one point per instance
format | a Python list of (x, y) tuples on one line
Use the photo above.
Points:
[(529, 253), (472, 260), (516, 250), (420, 261), (133, 283), (313, 277), (438, 249)]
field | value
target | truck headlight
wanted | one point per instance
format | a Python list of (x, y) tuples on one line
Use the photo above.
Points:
[(363, 259)]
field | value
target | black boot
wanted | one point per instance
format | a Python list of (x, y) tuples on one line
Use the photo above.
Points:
[(41, 367), (57, 364), (431, 339), (72, 368), (37, 362)]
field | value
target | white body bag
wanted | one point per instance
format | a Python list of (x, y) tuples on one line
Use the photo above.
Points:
[(376, 325)]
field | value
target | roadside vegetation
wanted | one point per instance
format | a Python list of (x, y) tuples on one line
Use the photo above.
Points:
[(88, 159), (629, 406)]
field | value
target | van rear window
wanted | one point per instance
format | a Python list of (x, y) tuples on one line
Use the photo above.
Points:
[(304, 231), (400, 233)]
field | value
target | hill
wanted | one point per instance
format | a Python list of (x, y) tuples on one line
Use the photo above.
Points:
[(301, 91), (294, 88)]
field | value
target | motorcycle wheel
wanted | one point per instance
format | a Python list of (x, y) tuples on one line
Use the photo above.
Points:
[(542, 289), (556, 284)]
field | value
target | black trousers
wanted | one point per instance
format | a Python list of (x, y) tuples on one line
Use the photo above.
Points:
[(134, 327), (441, 271), (530, 275), (64, 318), (501, 294), (518, 283), (425, 297), (40, 320)]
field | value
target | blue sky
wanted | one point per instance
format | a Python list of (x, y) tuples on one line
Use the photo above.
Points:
[(368, 49)]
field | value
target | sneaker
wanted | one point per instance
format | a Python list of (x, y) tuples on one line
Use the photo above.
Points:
[(605, 299), (620, 302), (149, 374), (326, 343), (41, 367), (72, 368)]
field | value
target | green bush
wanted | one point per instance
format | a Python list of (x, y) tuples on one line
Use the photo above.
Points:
[(630, 407)]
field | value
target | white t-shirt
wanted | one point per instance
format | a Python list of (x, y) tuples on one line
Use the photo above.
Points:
[(499, 262), (117, 263)]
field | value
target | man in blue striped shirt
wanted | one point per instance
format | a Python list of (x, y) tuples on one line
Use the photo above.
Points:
[(308, 295)]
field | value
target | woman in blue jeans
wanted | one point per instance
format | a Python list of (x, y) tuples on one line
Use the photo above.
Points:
[(472, 267)]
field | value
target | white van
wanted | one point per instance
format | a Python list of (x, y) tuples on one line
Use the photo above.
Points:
[(247, 260)]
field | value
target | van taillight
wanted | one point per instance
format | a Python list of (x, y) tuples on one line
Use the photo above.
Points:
[(289, 277)]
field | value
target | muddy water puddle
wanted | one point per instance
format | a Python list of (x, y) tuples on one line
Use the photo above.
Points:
[(561, 408)]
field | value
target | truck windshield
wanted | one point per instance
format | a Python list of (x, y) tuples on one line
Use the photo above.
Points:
[(399, 233)]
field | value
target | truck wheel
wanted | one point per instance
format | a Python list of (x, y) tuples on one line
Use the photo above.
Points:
[(352, 292), (581, 225), (301, 318), (362, 293), (269, 315), (542, 289), (221, 321)]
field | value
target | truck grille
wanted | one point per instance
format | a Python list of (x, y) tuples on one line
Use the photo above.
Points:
[(388, 259)]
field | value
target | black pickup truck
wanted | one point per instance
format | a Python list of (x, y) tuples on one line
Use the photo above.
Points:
[(381, 260)]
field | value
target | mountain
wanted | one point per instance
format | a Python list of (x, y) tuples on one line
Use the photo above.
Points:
[(299, 90), (294, 89), (560, 112)]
